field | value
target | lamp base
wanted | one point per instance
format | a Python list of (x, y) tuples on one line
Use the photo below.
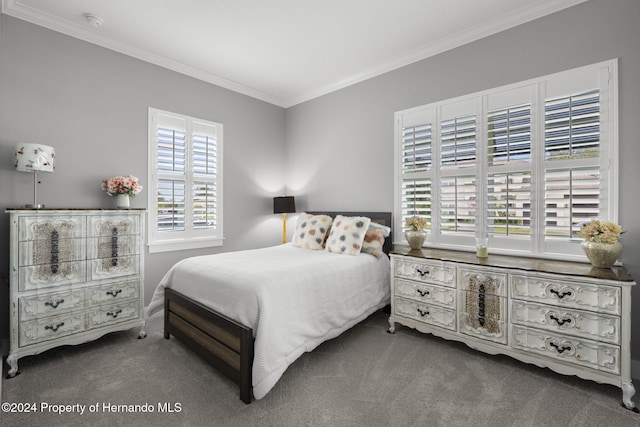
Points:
[(32, 206)]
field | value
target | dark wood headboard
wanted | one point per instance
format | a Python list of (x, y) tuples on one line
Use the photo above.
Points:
[(383, 218)]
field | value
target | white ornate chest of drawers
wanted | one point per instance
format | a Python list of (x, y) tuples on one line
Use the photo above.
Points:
[(75, 275), (569, 317)]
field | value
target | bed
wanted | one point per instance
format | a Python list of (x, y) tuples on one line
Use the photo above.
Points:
[(252, 313)]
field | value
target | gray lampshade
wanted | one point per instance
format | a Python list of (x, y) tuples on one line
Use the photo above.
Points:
[(284, 204)]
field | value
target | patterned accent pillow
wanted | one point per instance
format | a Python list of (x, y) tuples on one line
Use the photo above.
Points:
[(311, 231), (373, 242), (385, 230), (347, 234)]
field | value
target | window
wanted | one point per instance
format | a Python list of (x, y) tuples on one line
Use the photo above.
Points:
[(185, 176), (523, 164)]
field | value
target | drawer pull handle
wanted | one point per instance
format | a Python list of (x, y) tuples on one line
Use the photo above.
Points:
[(54, 328), (54, 252), (559, 349), (114, 293), (423, 273), (423, 293), (114, 314), (54, 304), (561, 294), (560, 322), (114, 247), (423, 312)]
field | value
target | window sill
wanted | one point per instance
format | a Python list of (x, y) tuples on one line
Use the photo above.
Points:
[(183, 244)]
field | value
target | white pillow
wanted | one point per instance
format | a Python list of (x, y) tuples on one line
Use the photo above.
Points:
[(347, 234), (311, 231)]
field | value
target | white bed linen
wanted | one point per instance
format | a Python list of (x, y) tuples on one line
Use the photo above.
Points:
[(294, 299)]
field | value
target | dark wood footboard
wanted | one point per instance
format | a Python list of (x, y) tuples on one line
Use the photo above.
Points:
[(223, 342)]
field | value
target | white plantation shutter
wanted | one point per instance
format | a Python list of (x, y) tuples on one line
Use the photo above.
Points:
[(185, 166), (525, 164), (458, 204), (509, 204), (416, 165)]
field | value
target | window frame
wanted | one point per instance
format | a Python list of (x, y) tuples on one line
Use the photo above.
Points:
[(537, 92), (190, 237)]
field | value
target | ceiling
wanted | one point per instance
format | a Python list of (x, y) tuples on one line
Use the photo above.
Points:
[(282, 51)]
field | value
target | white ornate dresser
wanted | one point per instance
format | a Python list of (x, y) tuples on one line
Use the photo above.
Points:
[(567, 316), (75, 275)]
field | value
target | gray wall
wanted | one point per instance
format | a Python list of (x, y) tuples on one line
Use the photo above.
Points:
[(340, 146), (91, 104)]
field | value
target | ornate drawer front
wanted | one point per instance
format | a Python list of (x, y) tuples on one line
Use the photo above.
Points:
[(51, 275), (113, 292), (51, 304), (426, 293), (105, 268), (39, 330), (599, 356), (426, 313), (584, 324), (430, 272), (114, 313), (483, 316), (51, 251), (601, 298), (43, 228), (109, 225), (112, 246), (485, 281)]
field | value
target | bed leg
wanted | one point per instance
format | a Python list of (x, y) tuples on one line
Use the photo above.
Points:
[(142, 334)]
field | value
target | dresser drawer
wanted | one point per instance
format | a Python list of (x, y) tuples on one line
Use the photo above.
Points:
[(106, 268), (113, 313), (577, 351), (43, 305), (426, 271), (483, 316), (51, 251), (112, 293), (583, 324), (112, 247), (426, 313), (486, 281), (427, 293), (51, 275), (44, 228), (110, 225), (39, 330), (563, 293)]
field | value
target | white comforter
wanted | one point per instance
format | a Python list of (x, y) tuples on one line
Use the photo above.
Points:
[(292, 298)]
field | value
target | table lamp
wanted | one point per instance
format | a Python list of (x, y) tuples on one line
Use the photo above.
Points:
[(34, 158), (284, 205)]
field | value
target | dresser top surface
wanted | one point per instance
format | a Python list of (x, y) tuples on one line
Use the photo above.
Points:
[(616, 273)]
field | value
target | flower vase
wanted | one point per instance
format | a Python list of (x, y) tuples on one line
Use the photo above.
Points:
[(602, 255), (415, 238), (122, 201)]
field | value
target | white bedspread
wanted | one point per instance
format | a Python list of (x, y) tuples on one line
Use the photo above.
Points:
[(294, 299)]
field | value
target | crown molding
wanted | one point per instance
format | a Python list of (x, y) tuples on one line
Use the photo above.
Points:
[(18, 10), (21, 11), (461, 38)]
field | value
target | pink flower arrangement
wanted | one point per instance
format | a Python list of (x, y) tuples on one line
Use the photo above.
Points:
[(121, 185)]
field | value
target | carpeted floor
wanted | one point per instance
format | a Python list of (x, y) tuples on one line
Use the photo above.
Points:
[(365, 377)]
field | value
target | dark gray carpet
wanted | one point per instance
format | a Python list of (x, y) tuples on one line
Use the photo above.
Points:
[(365, 377)]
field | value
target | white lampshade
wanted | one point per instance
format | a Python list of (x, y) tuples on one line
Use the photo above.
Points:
[(35, 158)]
